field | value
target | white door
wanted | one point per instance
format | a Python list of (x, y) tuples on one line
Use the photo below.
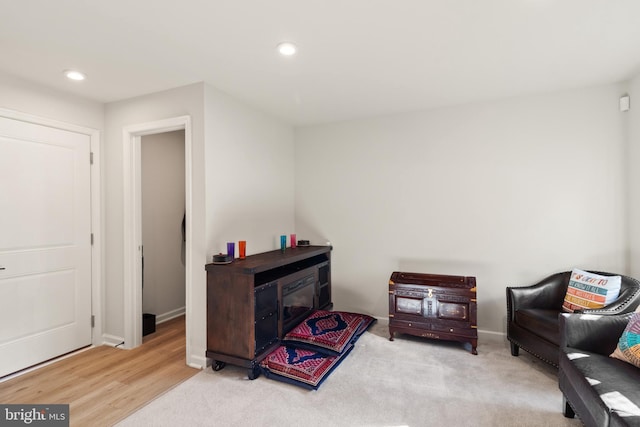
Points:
[(45, 246)]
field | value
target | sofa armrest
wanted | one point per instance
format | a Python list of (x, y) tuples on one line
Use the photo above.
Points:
[(626, 302), (546, 294), (592, 333)]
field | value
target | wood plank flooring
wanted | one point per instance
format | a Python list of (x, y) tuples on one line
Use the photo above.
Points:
[(103, 385)]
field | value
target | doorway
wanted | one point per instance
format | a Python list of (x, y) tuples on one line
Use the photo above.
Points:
[(163, 227), (132, 225)]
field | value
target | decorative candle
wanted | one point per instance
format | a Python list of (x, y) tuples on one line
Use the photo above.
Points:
[(231, 249)]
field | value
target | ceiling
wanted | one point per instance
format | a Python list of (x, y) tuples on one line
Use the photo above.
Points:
[(357, 58)]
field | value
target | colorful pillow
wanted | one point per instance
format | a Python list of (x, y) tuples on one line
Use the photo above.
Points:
[(328, 332), (590, 291), (301, 367), (628, 348)]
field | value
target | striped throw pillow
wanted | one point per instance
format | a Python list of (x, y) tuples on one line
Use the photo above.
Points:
[(590, 291)]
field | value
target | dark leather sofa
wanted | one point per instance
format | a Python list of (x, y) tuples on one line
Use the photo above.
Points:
[(601, 390), (532, 313)]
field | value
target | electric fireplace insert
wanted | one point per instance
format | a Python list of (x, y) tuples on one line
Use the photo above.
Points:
[(297, 301)]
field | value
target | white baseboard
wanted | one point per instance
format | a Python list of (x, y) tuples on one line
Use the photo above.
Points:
[(382, 320), (112, 340), (198, 362), (170, 315), (492, 334)]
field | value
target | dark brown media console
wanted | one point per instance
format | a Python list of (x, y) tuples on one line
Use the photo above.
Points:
[(434, 306), (252, 303)]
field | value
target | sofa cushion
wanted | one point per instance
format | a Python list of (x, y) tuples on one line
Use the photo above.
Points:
[(590, 291), (628, 349), (610, 381), (542, 322)]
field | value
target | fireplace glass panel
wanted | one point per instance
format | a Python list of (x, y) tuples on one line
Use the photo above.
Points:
[(297, 301)]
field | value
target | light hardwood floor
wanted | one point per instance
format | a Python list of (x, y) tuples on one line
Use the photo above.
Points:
[(103, 385)]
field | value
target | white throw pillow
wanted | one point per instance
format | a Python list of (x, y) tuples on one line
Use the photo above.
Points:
[(590, 291)]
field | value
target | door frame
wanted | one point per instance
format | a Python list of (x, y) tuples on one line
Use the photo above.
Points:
[(97, 226), (132, 224)]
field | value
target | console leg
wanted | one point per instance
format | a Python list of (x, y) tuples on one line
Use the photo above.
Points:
[(515, 350)]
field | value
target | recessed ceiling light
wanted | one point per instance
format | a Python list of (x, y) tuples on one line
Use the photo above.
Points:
[(287, 48), (74, 75)]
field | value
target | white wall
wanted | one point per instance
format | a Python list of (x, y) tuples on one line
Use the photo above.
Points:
[(31, 98), (632, 118), (163, 209), (508, 191), (245, 194), (250, 176), (187, 100), (483, 189)]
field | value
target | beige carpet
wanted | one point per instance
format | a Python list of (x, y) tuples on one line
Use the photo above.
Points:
[(407, 382)]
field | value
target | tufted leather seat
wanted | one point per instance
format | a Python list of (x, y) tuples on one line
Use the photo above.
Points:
[(532, 313)]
